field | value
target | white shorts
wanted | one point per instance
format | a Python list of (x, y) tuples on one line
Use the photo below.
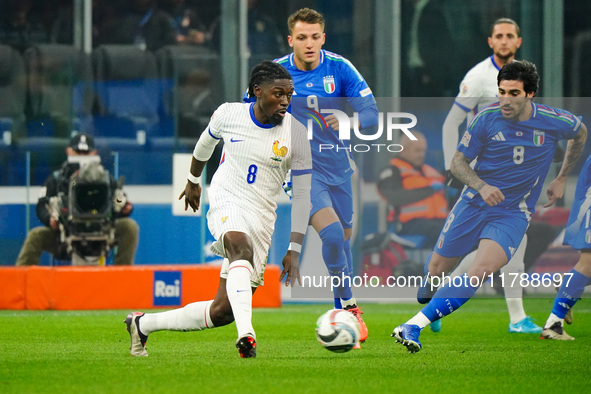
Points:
[(225, 217)]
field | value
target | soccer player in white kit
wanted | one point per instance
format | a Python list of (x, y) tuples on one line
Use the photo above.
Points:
[(262, 141), (477, 90)]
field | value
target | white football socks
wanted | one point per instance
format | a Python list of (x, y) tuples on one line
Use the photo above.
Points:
[(192, 317), (419, 320), (239, 292), (553, 319), (514, 294), (350, 302)]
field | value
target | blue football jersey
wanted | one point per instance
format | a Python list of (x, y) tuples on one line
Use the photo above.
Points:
[(515, 156), (333, 84), (578, 229)]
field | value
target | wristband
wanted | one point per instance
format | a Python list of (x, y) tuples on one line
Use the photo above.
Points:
[(295, 247), (193, 179)]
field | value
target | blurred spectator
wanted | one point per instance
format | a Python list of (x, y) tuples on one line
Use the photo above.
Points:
[(143, 24), (18, 28), (264, 36), (414, 192), (427, 41), (189, 28), (196, 100)]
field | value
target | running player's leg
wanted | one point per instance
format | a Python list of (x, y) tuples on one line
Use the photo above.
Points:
[(239, 250), (573, 285), (195, 316), (329, 227), (331, 232), (499, 237)]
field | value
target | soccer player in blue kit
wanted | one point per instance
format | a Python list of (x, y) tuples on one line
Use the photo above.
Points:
[(514, 141), (324, 79), (577, 235)]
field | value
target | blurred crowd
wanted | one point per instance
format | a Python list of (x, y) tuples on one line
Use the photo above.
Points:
[(150, 24)]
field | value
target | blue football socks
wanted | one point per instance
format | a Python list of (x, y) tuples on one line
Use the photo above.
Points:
[(569, 293), (333, 254), (448, 299)]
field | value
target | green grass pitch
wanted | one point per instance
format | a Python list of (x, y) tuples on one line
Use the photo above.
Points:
[(88, 352)]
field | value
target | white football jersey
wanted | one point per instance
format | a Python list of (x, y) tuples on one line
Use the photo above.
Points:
[(479, 87), (256, 157)]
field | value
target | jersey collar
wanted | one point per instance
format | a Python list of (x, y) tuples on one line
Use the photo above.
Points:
[(255, 121), (292, 63), (492, 59)]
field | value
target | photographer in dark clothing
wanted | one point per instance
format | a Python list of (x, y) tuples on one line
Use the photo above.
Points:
[(53, 212)]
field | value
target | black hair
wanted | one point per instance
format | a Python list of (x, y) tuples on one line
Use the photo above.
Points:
[(266, 71), (521, 70)]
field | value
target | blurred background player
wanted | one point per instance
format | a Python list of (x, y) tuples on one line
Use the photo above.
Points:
[(577, 235), (479, 86), (261, 143), (495, 208), (47, 238), (478, 89), (320, 75)]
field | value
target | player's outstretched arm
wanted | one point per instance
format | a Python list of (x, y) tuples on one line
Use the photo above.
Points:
[(460, 168), (574, 148), (201, 154), (450, 133), (300, 213), (291, 261)]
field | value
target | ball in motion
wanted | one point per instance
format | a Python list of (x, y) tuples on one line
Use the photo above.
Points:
[(337, 330)]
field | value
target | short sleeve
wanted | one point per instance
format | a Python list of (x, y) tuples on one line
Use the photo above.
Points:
[(301, 158)]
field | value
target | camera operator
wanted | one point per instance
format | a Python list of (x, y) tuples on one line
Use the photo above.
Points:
[(80, 152)]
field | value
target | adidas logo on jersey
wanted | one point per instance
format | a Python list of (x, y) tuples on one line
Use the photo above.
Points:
[(499, 136)]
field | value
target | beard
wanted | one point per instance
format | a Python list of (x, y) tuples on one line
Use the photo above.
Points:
[(276, 119), (505, 57)]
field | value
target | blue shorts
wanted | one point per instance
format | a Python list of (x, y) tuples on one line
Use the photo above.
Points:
[(467, 224), (578, 227), (338, 197)]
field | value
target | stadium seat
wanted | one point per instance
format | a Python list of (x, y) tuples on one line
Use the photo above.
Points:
[(12, 111), (60, 94), (128, 96), (12, 94), (59, 102), (192, 90)]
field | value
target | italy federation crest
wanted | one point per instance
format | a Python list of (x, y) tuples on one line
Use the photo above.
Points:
[(329, 85), (539, 137)]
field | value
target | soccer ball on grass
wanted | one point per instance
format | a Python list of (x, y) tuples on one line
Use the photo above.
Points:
[(337, 330)]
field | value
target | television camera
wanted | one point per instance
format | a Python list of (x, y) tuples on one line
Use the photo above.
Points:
[(86, 215)]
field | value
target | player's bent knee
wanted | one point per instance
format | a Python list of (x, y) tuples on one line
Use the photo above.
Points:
[(439, 264), (333, 235), (238, 246), (221, 314)]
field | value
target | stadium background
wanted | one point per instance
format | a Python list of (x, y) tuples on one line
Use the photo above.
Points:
[(139, 104)]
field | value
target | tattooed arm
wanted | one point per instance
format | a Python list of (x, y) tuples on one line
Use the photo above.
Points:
[(460, 168), (574, 148)]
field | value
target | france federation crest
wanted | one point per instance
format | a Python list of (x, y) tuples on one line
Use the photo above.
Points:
[(539, 137), (329, 85)]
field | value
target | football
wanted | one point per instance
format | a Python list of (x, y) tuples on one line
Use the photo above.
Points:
[(337, 330)]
